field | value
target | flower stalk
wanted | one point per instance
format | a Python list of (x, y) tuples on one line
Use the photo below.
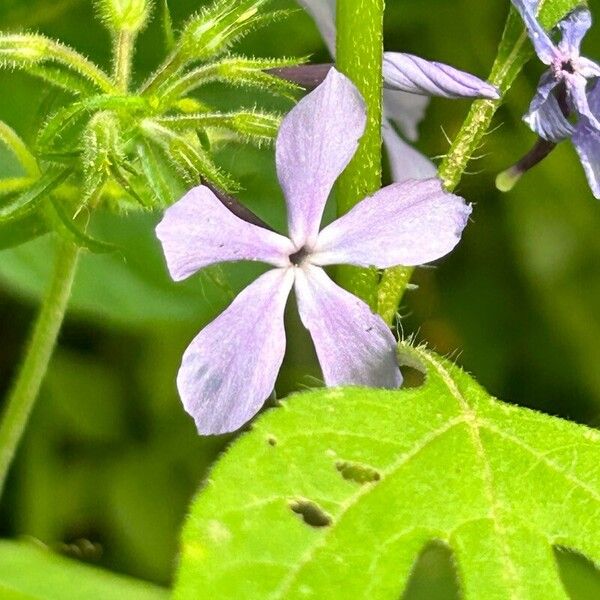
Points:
[(359, 56), (32, 371)]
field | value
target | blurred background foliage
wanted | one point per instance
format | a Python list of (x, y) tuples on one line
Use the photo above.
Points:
[(111, 461)]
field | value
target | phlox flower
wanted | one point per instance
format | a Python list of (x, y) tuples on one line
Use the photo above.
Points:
[(409, 82), (230, 368), (567, 101)]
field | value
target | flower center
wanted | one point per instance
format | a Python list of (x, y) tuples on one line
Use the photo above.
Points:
[(562, 67), (298, 257), (567, 65)]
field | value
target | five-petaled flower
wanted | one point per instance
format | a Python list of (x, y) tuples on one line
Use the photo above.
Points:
[(230, 367), (569, 88), (409, 81)]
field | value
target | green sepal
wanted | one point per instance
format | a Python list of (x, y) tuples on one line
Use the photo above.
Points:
[(22, 229), (23, 51), (11, 139), (187, 156), (236, 71), (31, 199), (254, 126), (217, 27), (167, 26), (63, 127), (68, 228), (155, 173), (14, 185), (102, 150)]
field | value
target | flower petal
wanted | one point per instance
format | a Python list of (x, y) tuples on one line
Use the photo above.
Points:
[(406, 110), (323, 14), (542, 43), (578, 94), (587, 142), (409, 223), (199, 231), (405, 162), (230, 368), (574, 27), (354, 346), (415, 75), (588, 68), (545, 116), (316, 141)]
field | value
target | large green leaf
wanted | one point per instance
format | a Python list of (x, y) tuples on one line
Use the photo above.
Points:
[(335, 494), (28, 572)]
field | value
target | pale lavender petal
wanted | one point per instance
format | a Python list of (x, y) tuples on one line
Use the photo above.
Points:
[(544, 47), (198, 231), (574, 27), (588, 68), (578, 95), (406, 110), (323, 14), (408, 73), (316, 141), (354, 346), (409, 223), (545, 116), (405, 162), (230, 368), (587, 142)]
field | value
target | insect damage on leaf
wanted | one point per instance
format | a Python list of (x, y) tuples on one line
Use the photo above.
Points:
[(500, 486)]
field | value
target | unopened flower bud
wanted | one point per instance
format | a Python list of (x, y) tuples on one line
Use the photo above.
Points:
[(125, 15)]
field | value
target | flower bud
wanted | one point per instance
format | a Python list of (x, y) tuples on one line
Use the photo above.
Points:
[(125, 15)]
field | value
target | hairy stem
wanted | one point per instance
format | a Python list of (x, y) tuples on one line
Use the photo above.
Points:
[(513, 53), (359, 56), (31, 373), (123, 56)]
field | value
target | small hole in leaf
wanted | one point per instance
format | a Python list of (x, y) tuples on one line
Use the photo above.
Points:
[(312, 514), (433, 575), (413, 377), (272, 440), (579, 575), (357, 472)]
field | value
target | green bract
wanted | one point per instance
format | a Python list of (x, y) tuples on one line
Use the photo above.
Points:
[(115, 145), (342, 489)]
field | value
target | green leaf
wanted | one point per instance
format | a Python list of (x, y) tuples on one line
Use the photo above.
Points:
[(342, 489), (28, 572)]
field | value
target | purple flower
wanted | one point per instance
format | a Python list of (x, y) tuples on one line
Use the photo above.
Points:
[(565, 88), (231, 366), (408, 83)]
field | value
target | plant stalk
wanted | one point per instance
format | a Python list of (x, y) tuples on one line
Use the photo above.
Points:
[(123, 57), (359, 56), (39, 351)]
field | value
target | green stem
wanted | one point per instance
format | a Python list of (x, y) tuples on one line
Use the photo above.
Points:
[(39, 352), (359, 56), (74, 60), (513, 53), (123, 56)]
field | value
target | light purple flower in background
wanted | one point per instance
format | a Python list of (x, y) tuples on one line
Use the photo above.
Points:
[(408, 83), (565, 88), (230, 367)]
